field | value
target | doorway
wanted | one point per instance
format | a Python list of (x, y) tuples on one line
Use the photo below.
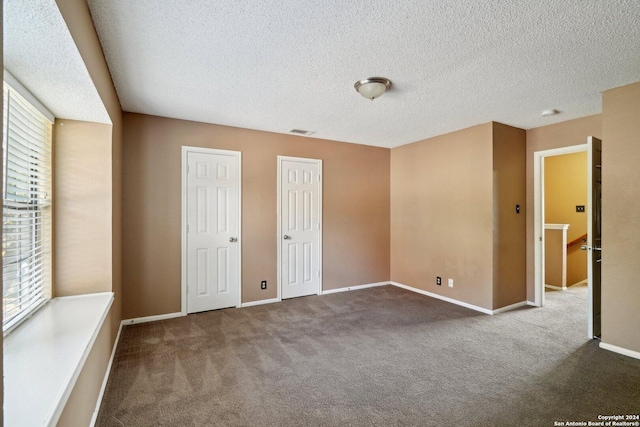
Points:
[(593, 212), (211, 262), (299, 227), (565, 221)]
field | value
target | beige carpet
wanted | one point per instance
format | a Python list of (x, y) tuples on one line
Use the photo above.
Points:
[(381, 356)]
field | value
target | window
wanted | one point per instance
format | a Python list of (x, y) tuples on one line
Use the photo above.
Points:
[(26, 207)]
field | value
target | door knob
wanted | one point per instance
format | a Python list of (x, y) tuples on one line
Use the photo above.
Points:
[(583, 247), (597, 248), (233, 239), (285, 237)]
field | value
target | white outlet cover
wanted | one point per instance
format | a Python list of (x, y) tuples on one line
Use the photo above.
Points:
[(451, 283)]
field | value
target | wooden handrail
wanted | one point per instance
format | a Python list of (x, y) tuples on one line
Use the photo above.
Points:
[(576, 240)]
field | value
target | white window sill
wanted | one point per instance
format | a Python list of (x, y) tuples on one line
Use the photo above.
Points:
[(44, 356)]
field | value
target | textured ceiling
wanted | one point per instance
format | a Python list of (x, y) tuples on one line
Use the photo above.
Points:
[(278, 65), (40, 53)]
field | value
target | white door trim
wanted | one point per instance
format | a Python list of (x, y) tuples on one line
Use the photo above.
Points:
[(183, 227), (279, 216), (538, 221), (538, 213)]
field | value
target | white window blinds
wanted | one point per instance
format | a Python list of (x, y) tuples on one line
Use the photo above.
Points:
[(26, 208)]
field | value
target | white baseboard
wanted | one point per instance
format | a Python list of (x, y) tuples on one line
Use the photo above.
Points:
[(509, 307), (557, 288), (94, 418), (330, 291), (354, 288), (532, 304), (260, 302), (582, 282), (152, 318), (620, 350), (440, 297)]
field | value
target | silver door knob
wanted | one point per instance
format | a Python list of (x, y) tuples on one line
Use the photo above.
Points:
[(285, 237), (583, 247), (233, 239), (597, 248)]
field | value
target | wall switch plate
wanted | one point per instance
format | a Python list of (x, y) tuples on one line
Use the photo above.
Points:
[(580, 208), (451, 283), (438, 281), (263, 284)]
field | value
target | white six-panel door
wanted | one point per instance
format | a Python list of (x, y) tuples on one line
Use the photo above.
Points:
[(300, 225), (211, 246)]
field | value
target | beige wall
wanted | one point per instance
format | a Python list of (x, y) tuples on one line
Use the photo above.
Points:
[(78, 19), (82, 400), (576, 264), (565, 134), (565, 186), (509, 227), (553, 258), (442, 214), (621, 217), (82, 208), (355, 209)]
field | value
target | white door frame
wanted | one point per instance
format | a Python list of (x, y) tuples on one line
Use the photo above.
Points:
[(279, 218), (538, 223), (183, 227)]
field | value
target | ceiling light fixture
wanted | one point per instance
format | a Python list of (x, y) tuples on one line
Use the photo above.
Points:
[(551, 112), (372, 87), (302, 132)]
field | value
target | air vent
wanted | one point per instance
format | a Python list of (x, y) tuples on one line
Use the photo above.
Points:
[(302, 132)]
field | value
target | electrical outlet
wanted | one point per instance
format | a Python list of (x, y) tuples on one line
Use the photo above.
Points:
[(451, 283), (263, 284), (438, 281), (579, 208)]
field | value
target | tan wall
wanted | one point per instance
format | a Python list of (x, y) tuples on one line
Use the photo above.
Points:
[(553, 266), (82, 400), (82, 208), (565, 187), (576, 264), (442, 214), (78, 19), (565, 134), (621, 217), (355, 209), (509, 227)]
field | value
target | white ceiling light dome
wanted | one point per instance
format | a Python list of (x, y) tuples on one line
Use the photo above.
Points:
[(372, 87)]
